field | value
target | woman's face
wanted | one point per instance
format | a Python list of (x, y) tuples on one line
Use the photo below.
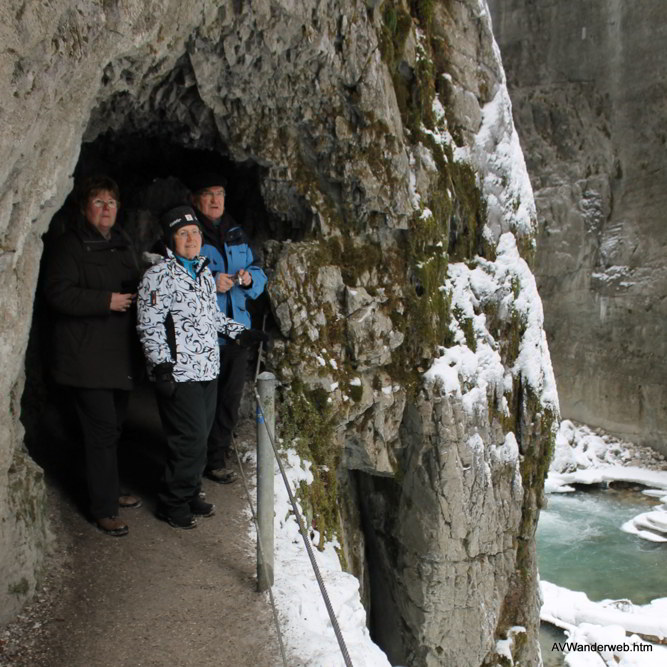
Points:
[(187, 241), (101, 210)]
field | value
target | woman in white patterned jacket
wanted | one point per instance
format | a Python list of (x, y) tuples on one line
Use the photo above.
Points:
[(178, 323)]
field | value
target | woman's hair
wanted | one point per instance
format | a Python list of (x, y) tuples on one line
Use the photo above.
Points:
[(94, 184)]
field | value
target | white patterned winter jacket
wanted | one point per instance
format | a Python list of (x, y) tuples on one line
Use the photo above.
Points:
[(178, 320)]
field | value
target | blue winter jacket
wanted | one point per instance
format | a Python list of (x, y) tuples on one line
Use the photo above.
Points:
[(228, 250)]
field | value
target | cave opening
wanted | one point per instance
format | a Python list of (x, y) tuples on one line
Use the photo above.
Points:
[(378, 509), (149, 149)]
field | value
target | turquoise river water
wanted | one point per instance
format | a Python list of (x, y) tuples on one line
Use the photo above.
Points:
[(581, 547)]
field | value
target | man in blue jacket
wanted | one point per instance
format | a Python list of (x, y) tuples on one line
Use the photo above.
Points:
[(238, 277)]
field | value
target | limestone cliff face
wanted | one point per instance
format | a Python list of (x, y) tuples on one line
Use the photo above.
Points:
[(399, 227), (589, 104)]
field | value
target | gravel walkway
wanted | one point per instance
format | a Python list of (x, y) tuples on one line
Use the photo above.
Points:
[(159, 596)]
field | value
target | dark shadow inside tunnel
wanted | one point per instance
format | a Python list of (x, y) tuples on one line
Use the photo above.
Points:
[(150, 152), (150, 156), (151, 174), (378, 508)]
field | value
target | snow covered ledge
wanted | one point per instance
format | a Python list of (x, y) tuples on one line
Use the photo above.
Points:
[(597, 630), (609, 632), (586, 458)]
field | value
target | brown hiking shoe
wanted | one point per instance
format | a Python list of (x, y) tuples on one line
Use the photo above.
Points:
[(112, 525), (128, 502)]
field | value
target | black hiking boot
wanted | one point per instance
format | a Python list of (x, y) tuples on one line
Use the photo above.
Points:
[(183, 519), (200, 507), (221, 475)]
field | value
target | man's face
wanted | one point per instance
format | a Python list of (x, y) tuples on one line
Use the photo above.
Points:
[(210, 201), (187, 241)]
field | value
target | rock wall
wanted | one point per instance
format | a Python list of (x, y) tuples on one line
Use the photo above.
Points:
[(52, 73), (589, 104), (387, 167)]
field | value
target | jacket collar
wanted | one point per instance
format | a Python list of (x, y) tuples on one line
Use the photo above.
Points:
[(215, 234), (89, 236), (200, 263)]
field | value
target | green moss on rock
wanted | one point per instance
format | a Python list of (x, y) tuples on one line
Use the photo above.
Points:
[(19, 588), (306, 422)]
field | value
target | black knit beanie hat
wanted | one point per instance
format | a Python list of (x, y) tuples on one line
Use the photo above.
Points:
[(175, 218)]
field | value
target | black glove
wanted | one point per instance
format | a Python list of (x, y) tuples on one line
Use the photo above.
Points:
[(165, 385), (252, 337)]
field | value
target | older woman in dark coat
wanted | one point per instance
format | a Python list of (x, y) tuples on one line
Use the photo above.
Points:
[(91, 281)]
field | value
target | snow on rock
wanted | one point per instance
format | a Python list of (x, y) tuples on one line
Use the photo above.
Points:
[(510, 286), (504, 647), (657, 479), (307, 631), (508, 283), (580, 447), (584, 457), (534, 361), (604, 624), (565, 609), (651, 526), (615, 648), (498, 157)]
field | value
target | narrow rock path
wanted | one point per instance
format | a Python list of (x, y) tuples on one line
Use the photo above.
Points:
[(159, 596)]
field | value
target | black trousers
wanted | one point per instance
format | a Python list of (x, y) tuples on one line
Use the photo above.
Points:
[(101, 415), (233, 365), (187, 417)]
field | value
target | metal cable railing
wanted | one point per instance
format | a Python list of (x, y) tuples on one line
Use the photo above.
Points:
[(264, 560), (302, 530), (306, 540)]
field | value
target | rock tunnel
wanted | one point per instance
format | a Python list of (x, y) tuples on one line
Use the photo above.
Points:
[(142, 144), (149, 149), (305, 111), (149, 153)]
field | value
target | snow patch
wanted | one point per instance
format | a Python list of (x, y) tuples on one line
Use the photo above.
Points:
[(585, 457), (476, 375), (606, 623), (307, 631)]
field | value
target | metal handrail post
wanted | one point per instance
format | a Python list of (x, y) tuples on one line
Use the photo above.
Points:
[(266, 417)]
